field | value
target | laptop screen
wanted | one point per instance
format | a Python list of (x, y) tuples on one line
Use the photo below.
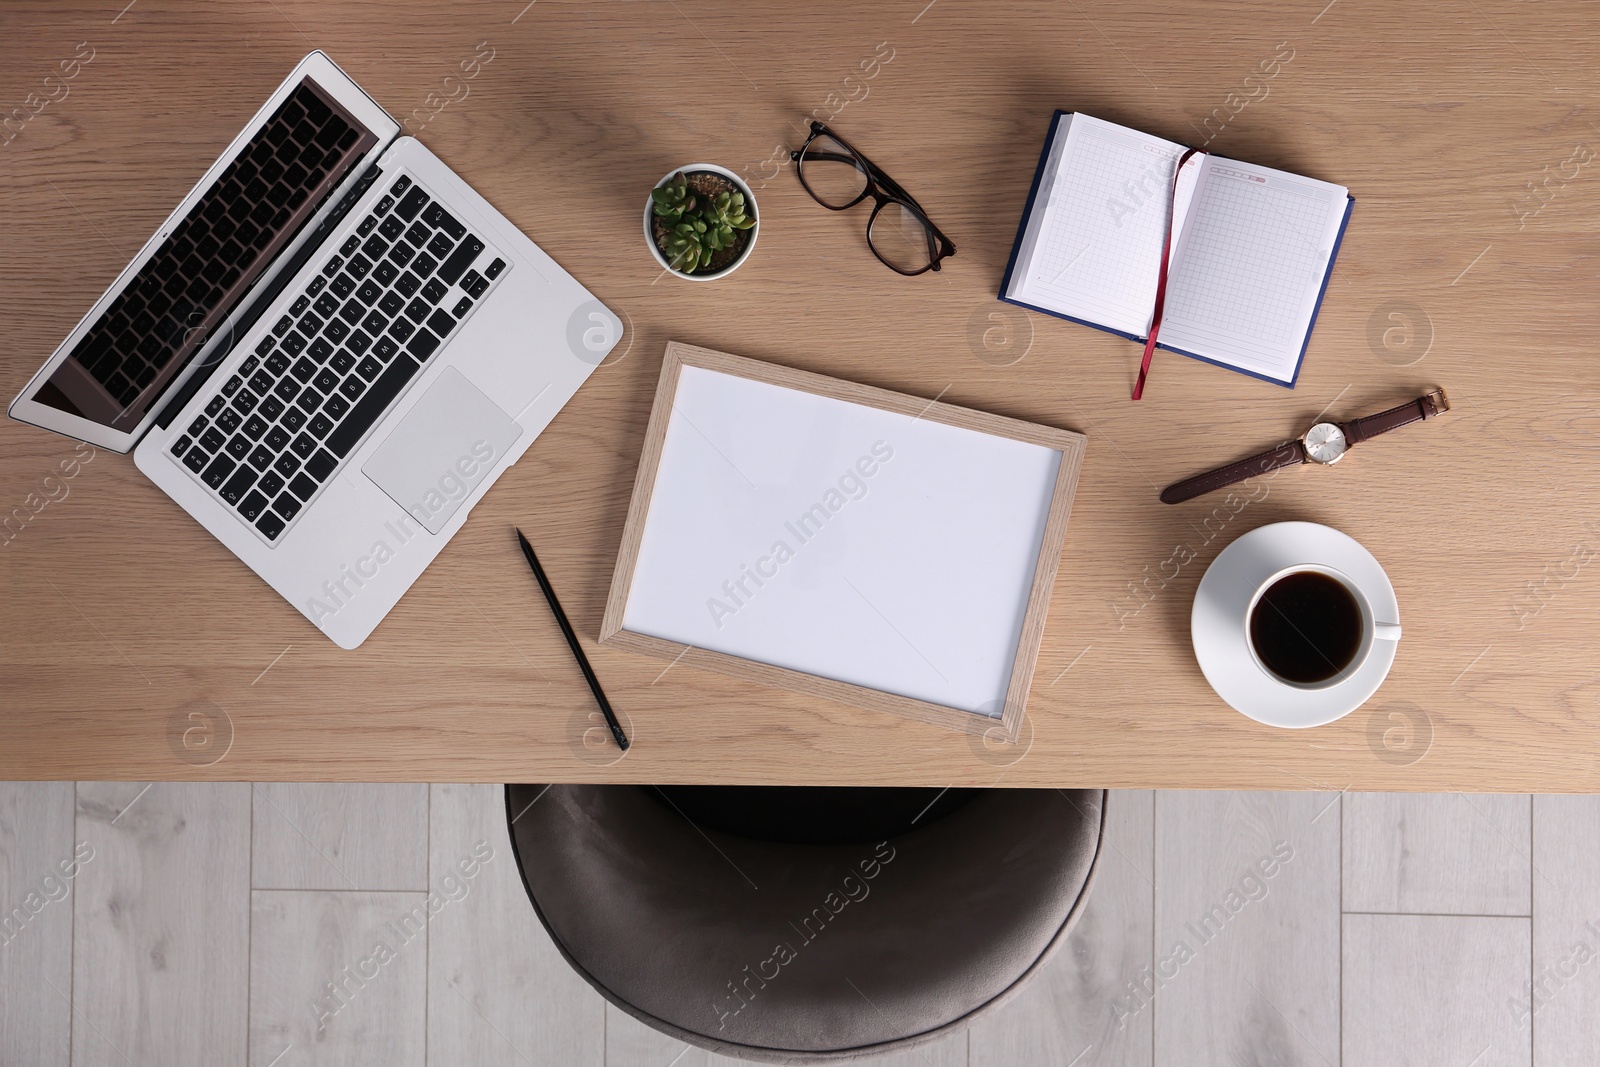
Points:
[(169, 307)]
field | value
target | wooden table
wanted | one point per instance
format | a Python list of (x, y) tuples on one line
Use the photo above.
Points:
[(123, 624)]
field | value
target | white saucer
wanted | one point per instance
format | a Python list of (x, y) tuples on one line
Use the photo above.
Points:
[(1217, 623)]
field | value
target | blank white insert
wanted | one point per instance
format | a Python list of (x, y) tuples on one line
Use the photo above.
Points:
[(841, 540)]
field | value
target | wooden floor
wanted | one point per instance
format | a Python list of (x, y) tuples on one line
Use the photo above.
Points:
[(216, 924)]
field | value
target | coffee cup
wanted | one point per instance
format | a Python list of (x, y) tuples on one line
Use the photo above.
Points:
[(1310, 626)]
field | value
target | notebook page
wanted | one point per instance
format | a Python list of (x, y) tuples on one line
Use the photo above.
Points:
[(1249, 266), (1097, 251)]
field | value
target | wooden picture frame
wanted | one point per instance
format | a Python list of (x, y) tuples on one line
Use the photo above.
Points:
[(1069, 444)]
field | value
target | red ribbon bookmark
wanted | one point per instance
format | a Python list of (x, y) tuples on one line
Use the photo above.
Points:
[(1161, 281)]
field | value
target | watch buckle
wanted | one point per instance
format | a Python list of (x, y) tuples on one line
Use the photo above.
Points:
[(1440, 402)]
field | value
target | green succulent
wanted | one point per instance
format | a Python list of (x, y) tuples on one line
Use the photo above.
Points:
[(689, 245), (673, 199), (697, 229)]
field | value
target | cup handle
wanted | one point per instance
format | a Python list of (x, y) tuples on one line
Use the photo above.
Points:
[(1386, 631)]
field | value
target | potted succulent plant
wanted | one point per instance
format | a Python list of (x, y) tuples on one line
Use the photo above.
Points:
[(701, 222)]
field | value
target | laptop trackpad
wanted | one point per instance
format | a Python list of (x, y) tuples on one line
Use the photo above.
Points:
[(442, 449)]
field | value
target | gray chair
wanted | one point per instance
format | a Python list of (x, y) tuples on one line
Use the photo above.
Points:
[(805, 925)]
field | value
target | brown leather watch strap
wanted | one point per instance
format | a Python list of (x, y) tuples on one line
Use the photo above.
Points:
[(1425, 407), (1285, 455)]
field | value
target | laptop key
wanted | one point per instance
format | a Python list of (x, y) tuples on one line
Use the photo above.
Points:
[(358, 342), (351, 243), (418, 310), (353, 310), (422, 345), (271, 408), (385, 272), (441, 323), (286, 465), (254, 427), (371, 406), (400, 186), (391, 304), (401, 254), (286, 505), (316, 286), (336, 331), (303, 369), (463, 306), (441, 245), (262, 457), (198, 426), (228, 420), (326, 305), (407, 284), (239, 446), (413, 202), (303, 446), (270, 525), (320, 425), (278, 362), (336, 406), (327, 380), (352, 387), (375, 321), (424, 265), (293, 345), (277, 438), (359, 267), (392, 228), (216, 405), (342, 287), (331, 268), (252, 506), (270, 483), (218, 472), (440, 219), (246, 401), (234, 489), (286, 390), (434, 291), (382, 206), (181, 445), (320, 465), (460, 259), (418, 234), (367, 225), (293, 419), (303, 487), (375, 247), (282, 326), (300, 305), (196, 459), (212, 440), (320, 350), (231, 386), (385, 349), (262, 382), (369, 368), (401, 329), (493, 270)]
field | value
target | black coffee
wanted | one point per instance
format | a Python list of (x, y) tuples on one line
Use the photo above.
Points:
[(1306, 627)]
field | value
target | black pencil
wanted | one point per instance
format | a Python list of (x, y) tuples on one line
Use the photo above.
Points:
[(572, 639)]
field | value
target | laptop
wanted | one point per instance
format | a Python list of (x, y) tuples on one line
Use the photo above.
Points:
[(327, 353)]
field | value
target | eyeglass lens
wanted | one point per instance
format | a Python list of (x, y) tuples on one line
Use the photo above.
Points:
[(901, 238), (831, 173)]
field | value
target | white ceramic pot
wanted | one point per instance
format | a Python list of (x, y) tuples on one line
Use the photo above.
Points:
[(749, 199)]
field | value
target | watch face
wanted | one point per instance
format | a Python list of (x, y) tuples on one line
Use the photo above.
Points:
[(1325, 443)]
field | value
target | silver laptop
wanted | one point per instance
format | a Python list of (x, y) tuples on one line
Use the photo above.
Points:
[(328, 353)]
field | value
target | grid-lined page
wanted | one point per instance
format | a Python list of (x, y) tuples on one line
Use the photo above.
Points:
[(1097, 252), (1250, 265)]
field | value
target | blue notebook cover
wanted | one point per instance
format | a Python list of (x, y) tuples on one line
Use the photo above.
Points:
[(1022, 226)]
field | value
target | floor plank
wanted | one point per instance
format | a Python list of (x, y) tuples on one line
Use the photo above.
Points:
[(1437, 853), (338, 978), (38, 867), (1078, 1010), (162, 924), (334, 835), (1247, 929), (498, 991), (1436, 991), (1566, 931)]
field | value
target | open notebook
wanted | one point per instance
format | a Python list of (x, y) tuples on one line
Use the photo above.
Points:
[(1249, 261)]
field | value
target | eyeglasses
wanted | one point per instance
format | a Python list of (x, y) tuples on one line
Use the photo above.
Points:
[(838, 177)]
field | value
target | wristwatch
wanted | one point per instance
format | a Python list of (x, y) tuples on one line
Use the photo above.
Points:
[(1326, 443)]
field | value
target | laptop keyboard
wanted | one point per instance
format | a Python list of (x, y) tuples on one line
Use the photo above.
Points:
[(381, 307), (221, 246)]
